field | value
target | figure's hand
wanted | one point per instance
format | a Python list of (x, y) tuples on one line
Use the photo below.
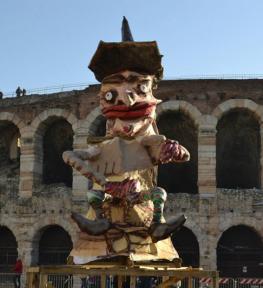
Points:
[(172, 151), (109, 163), (75, 160)]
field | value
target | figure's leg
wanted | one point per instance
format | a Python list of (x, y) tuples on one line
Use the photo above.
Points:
[(95, 199), (159, 230), (94, 227), (19, 280), (15, 282), (158, 196)]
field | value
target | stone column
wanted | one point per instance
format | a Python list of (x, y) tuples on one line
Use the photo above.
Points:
[(80, 183), (25, 251), (30, 164), (207, 156), (208, 254), (85, 128)]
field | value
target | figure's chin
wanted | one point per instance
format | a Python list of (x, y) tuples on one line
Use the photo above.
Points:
[(131, 128)]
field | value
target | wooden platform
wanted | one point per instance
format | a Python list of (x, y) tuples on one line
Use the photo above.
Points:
[(37, 277)]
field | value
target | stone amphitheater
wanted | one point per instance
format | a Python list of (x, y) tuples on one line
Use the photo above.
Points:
[(219, 190)]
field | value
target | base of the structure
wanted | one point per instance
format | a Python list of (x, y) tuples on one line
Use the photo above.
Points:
[(37, 277)]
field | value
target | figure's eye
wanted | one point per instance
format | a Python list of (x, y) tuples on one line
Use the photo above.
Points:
[(144, 87), (110, 96)]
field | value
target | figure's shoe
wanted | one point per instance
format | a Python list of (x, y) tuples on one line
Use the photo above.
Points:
[(92, 227), (160, 231)]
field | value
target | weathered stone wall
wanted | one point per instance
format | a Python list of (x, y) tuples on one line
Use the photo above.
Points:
[(30, 206)]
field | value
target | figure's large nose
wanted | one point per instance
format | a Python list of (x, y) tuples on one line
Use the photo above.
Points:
[(128, 97)]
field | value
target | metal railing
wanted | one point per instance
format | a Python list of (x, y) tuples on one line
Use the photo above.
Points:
[(217, 77), (80, 86), (50, 89)]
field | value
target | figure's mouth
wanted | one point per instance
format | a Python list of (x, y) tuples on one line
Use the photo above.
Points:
[(129, 112)]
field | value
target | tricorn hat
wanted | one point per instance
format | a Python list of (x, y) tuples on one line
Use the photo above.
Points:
[(113, 57)]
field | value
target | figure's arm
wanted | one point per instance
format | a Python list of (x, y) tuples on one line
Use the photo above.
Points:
[(79, 161), (91, 153), (162, 150)]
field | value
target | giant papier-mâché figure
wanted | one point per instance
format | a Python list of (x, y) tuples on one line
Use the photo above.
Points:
[(125, 217)]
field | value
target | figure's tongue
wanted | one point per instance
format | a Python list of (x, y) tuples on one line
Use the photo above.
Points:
[(126, 112)]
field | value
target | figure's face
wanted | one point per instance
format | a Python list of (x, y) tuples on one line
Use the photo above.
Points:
[(126, 100)]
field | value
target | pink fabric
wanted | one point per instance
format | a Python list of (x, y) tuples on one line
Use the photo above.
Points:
[(121, 189)]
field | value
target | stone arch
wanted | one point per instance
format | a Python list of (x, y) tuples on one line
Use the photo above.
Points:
[(10, 134), (240, 252), (238, 143), (187, 246), (66, 223), (55, 112), (12, 117), (55, 245), (177, 124), (53, 122), (39, 227), (57, 138), (250, 222), (98, 127), (207, 122), (230, 104), (8, 249), (9, 143), (191, 224), (95, 123), (174, 105)]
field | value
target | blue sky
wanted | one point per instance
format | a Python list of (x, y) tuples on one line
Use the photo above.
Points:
[(50, 42)]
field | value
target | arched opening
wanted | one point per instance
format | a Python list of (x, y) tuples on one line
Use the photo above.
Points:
[(9, 157), (57, 138), (8, 250), (179, 177), (238, 150), (54, 246), (187, 246), (240, 253), (98, 127)]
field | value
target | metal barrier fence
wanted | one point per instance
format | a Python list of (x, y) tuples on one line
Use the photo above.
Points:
[(70, 281), (73, 281), (6, 280), (234, 282), (10, 280)]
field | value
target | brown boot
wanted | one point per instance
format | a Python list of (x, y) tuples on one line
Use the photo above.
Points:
[(160, 231), (92, 227)]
